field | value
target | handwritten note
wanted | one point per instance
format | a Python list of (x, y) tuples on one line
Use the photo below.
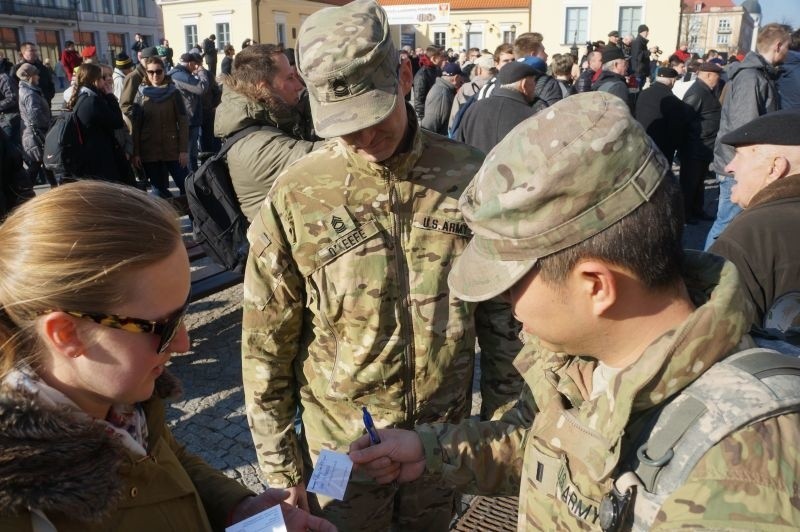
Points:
[(270, 520), (331, 474)]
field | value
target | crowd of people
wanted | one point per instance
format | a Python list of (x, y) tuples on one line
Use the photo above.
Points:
[(406, 206)]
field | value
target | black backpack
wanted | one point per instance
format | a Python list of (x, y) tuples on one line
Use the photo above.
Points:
[(219, 225), (63, 144)]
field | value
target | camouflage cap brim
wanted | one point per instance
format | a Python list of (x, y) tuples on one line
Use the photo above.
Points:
[(477, 277), (332, 119)]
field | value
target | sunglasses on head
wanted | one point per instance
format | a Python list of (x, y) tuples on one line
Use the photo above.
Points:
[(155, 72), (166, 328)]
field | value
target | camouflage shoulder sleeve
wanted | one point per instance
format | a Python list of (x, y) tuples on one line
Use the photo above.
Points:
[(272, 322), (748, 481), (480, 457), (498, 338)]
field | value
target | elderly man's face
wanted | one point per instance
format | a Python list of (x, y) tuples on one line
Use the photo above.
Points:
[(751, 167), (382, 140)]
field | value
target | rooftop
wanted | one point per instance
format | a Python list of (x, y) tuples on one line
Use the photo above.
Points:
[(456, 5)]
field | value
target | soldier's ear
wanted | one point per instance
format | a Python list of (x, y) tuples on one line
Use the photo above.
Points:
[(405, 77)]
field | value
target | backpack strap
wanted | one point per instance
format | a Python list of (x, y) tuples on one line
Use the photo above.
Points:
[(747, 387), (239, 135)]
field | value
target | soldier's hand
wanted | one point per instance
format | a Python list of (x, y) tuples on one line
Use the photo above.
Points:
[(399, 456)]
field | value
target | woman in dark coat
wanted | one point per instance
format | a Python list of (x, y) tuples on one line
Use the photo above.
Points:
[(98, 114)]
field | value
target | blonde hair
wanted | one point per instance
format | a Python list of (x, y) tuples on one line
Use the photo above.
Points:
[(74, 248)]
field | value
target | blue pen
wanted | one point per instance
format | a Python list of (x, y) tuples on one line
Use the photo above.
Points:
[(373, 434)]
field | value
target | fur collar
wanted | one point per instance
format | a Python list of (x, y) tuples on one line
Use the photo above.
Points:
[(57, 462)]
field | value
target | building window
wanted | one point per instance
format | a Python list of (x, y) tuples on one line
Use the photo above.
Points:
[(723, 38), (9, 43), (509, 37), (119, 8), (439, 38), (223, 34), (83, 39), (86, 5), (698, 7), (106, 6), (629, 20), (47, 41), (141, 8), (577, 25), (116, 44), (724, 25), (190, 35)]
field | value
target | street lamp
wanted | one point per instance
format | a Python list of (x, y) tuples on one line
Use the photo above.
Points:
[(467, 25)]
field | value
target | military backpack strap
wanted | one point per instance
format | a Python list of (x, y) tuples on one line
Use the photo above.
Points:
[(747, 387)]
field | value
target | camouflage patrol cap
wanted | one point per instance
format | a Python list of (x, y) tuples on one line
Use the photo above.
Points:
[(349, 63), (557, 179)]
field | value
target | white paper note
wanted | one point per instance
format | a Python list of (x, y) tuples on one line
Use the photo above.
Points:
[(331, 474), (270, 520)]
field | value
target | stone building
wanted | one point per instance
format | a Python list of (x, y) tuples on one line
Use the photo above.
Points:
[(719, 25)]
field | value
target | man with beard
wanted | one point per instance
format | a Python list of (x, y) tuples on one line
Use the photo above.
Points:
[(263, 90)]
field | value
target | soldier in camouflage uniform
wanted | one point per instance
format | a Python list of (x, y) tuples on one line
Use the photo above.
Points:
[(588, 249), (346, 299)]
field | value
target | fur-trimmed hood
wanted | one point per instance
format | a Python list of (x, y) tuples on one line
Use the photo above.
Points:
[(56, 460)]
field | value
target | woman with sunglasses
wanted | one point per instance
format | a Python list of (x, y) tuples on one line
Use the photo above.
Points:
[(98, 118), (160, 129), (90, 314)]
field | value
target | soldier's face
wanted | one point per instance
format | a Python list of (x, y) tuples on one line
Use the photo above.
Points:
[(379, 142)]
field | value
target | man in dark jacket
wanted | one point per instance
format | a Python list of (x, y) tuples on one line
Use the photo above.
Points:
[(762, 240), (30, 55), (640, 56), (612, 77), (430, 64), (662, 114), (488, 121), (440, 99), (210, 53), (789, 80), (698, 151), (750, 92), (192, 81), (584, 81)]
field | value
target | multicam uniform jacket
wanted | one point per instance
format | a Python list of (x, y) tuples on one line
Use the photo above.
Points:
[(346, 303), (749, 480)]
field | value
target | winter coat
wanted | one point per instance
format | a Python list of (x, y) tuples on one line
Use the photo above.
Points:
[(584, 81), (85, 480), (613, 83), (9, 101), (46, 83), (761, 241), (209, 51), (69, 60), (119, 82), (437, 106), (98, 117), (256, 160), (226, 65), (560, 451), (192, 88), (35, 118), (640, 57), (423, 82), (161, 128), (488, 121), (789, 81), (705, 111), (750, 93), (567, 89), (129, 88), (664, 117), (467, 91), (547, 92)]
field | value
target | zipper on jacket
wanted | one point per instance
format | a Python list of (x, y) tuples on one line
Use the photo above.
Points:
[(403, 303)]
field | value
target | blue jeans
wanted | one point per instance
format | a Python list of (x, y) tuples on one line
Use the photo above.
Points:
[(726, 209), (158, 173)]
